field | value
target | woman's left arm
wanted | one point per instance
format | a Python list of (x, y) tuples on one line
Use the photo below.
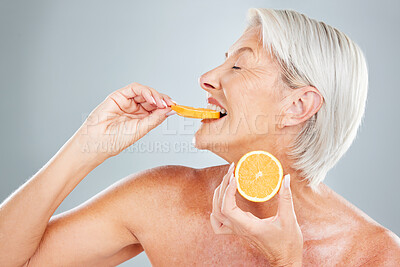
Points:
[(279, 237)]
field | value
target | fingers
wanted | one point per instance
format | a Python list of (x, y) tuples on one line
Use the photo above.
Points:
[(285, 207), (227, 217), (143, 102), (229, 207), (228, 201), (224, 183), (218, 227), (219, 223), (215, 216), (159, 99), (141, 94), (148, 123), (168, 100), (215, 207)]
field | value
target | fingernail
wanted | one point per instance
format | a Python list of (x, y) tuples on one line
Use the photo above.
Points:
[(154, 101), (287, 180), (169, 113), (232, 177)]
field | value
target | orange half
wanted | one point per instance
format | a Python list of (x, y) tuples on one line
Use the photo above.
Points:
[(195, 113), (259, 176)]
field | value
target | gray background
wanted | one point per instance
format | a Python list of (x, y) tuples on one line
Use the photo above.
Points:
[(59, 59)]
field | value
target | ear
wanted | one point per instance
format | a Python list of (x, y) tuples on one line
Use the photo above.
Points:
[(301, 105)]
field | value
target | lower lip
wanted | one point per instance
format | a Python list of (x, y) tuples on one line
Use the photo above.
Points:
[(212, 120)]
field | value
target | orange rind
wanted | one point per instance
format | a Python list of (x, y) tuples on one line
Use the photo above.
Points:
[(258, 175), (195, 113)]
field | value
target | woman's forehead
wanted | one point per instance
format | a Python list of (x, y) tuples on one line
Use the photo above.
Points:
[(250, 40)]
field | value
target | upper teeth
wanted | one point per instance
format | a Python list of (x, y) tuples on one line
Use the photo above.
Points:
[(216, 108)]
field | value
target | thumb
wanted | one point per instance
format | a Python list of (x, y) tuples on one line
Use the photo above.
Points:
[(156, 117), (151, 121), (285, 209)]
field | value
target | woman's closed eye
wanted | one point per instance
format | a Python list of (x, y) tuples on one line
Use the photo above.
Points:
[(236, 68)]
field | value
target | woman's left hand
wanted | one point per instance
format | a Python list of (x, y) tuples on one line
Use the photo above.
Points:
[(279, 237)]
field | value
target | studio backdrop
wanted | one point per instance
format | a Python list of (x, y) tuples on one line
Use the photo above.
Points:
[(60, 59)]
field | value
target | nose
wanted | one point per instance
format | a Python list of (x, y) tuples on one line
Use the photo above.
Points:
[(210, 81)]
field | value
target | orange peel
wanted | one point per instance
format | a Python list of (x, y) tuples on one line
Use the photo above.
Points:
[(195, 113), (259, 176)]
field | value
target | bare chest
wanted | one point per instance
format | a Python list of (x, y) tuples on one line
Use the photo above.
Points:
[(192, 242)]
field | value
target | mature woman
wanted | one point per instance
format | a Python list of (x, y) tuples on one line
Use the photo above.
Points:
[(290, 85)]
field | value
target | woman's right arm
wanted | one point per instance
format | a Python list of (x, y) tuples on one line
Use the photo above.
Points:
[(91, 234)]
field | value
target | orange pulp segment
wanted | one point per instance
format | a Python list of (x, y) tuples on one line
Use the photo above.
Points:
[(196, 113), (259, 176)]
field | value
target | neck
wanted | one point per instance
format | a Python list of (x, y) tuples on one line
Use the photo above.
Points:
[(301, 194)]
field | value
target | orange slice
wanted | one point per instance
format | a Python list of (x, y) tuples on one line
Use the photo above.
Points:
[(259, 176), (196, 113)]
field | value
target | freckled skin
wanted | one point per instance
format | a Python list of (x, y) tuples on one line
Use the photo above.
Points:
[(166, 211), (176, 229), (334, 231)]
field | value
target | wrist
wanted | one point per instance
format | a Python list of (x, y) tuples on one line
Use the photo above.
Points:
[(86, 150), (77, 152)]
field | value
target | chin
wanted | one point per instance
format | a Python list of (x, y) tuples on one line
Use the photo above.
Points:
[(225, 143), (225, 136), (217, 141), (213, 142)]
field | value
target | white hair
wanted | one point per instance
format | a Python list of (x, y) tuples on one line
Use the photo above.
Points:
[(312, 53)]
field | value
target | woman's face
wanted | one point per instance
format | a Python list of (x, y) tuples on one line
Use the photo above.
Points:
[(248, 86)]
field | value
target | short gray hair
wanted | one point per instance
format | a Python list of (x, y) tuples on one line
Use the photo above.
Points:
[(312, 53)]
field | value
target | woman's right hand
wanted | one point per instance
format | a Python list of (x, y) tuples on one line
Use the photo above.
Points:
[(121, 119)]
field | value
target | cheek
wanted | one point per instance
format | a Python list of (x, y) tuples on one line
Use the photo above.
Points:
[(254, 94), (252, 90)]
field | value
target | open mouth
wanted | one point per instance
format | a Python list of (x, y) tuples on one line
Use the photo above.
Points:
[(221, 111), (215, 105)]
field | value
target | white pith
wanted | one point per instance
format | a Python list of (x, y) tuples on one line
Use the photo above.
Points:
[(273, 193)]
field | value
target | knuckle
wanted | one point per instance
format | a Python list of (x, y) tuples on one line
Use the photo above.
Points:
[(152, 90), (110, 95)]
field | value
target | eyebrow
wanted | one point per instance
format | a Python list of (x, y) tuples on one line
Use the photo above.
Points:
[(240, 50)]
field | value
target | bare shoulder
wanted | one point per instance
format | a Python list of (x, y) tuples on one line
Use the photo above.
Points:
[(369, 243), (173, 189), (384, 249), (172, 178), (179, 179)]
